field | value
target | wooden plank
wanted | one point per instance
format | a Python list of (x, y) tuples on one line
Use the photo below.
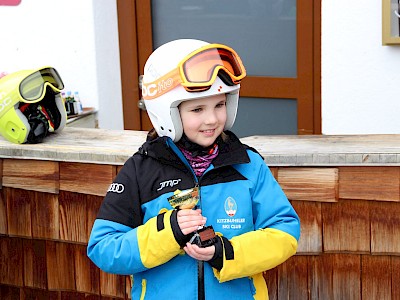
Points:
[(320, 276), (72, 295), (3, 213), (112, 285), (60, 266), (1, 173), (119, 168), (369, 183), (35, 264), (73, 218), (128, 287), (45, 216), (376, 277), (395, 263), (34, 175), (87, 275), (385, 228), (346, 226), (274, 172), (92, 207), (19, 212), (346, 276), (96, 297), (292, 278), (10, 292), (86, 178), (271, 278), (309, 184), (11, 258), (311, 226), (35, 294)]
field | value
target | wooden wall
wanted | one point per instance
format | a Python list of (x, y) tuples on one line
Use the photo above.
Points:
[(349, 247)]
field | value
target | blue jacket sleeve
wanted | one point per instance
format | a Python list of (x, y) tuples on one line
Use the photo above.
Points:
[(119, 242), (119, 249)]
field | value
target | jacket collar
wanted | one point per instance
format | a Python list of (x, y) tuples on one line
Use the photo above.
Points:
[(231, 151)]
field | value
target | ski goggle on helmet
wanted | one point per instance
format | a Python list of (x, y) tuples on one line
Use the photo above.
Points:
[(30, 105), (188, 69)]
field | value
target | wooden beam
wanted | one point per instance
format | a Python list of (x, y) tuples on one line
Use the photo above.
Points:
[(369, 183), (85, 178), (34, 175), (309, 184)]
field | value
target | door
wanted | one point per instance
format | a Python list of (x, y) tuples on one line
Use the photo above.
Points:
[(278, 41)]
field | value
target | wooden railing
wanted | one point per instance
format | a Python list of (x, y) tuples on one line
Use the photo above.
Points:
[(350, 225)]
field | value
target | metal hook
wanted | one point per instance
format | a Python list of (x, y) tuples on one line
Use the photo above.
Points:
[(397, 13)]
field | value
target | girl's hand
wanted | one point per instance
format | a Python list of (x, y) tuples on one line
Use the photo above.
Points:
[(189, 220), (198, 253)]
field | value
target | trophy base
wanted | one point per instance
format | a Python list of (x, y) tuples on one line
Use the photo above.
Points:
[(204, 237)]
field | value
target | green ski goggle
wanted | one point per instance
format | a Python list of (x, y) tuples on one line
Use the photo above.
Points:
[(32, 89)]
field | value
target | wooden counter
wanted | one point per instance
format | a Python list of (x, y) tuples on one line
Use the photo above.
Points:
[(346, 190), (114, 147)]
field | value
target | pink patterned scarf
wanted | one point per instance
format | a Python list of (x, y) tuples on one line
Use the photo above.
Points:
[(201, 162)]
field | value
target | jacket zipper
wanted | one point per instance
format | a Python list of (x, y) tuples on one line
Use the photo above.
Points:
[(200, 281), (200, 264)]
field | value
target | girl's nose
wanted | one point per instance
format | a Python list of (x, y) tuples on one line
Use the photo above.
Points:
[(211, 118)]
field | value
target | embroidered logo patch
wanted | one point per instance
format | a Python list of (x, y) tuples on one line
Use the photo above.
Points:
[(170, 183), (116, 188), (230, 206)]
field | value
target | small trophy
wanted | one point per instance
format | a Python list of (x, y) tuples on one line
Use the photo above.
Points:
[(204, 236)]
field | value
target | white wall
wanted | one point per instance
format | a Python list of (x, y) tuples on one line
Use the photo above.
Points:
[(77, 37), (360, 77)]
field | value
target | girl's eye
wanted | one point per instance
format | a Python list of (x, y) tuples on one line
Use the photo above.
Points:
[(196, 110), (222, 104)]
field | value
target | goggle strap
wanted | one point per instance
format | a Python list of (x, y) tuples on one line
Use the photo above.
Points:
[(162, 85)]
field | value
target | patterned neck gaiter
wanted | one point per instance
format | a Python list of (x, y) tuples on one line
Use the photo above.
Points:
[(198, 160)]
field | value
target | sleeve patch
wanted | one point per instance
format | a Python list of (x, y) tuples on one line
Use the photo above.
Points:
[(229, 254), (160, 222)]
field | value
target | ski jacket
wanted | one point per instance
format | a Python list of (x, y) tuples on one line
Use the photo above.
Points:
[(134, 232)]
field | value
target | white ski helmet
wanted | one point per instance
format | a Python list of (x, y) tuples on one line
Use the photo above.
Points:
[(188, 69)]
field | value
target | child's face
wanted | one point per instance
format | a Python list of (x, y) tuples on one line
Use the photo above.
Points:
[(204, 119)]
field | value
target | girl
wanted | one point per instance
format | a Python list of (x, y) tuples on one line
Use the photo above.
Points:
[(241, 224)]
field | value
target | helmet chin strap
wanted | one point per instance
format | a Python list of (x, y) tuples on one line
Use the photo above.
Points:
[(40, 118), (39, 126)]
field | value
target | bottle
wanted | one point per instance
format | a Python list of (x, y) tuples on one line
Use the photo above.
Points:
[(78, 103), (66, 103), (70, 103)]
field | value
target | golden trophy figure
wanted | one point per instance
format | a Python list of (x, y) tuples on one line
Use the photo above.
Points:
[(204, 236)]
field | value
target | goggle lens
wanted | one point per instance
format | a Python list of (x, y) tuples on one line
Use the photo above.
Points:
[(201, 68), (32, 87)]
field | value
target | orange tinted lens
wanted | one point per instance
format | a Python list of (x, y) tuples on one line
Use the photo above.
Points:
[(230, 62), (200, 68)]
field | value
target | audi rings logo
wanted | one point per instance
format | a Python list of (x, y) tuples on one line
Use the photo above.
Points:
[(116, 188)]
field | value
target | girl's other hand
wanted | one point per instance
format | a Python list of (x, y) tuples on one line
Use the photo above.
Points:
[(198, 253)]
